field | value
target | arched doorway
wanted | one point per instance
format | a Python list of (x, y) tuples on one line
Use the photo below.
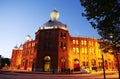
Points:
[(47, 61), (26, 64), (76, 65)]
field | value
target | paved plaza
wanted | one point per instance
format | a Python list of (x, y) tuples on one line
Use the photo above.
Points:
[(14, 75)]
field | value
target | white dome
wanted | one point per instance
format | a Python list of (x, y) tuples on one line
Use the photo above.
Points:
[(28, 38), (54, 15)]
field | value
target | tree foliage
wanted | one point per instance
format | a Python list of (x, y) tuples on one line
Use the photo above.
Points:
[(4, 62), (103, 15), (106, 46)]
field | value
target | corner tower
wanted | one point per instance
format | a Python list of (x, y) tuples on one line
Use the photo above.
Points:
[(52, 45)]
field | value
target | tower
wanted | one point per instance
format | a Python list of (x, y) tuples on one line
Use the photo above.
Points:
[(51, 45)]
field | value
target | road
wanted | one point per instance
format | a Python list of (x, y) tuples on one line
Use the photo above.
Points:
[(13, 75)]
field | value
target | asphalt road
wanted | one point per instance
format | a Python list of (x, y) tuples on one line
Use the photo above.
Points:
[(13, 75)]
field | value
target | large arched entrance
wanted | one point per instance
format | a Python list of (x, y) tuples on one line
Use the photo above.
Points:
[(76, 65), (47, 61)]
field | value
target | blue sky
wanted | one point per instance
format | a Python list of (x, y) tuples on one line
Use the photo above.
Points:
[(19, 18)]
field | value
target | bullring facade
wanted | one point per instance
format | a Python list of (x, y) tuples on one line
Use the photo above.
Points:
[(54, 49)]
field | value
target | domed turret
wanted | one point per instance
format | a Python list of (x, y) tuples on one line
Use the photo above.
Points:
[(54, 15), (28, 38)]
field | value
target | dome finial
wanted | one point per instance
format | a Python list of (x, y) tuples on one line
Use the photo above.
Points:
[(54, 14)]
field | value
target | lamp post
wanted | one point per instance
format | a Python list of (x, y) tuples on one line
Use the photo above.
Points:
[(102, 48), (103, 66)]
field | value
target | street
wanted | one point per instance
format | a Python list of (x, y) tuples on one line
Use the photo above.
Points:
[(14, 75)]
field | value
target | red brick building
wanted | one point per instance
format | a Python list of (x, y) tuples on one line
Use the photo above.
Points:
[(16, 57), (55, 50), (28, 55)]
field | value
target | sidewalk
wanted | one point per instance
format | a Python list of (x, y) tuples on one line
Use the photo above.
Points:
[(101, 72)]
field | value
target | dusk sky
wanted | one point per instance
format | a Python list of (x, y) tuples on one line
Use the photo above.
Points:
[(19, 18)]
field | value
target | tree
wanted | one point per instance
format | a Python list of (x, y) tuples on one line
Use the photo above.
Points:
[(104, 15), (5, 62)]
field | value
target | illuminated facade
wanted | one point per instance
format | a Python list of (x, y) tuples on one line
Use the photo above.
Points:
[(23, 57), (16, 57), (55, 50), (28, 55)]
